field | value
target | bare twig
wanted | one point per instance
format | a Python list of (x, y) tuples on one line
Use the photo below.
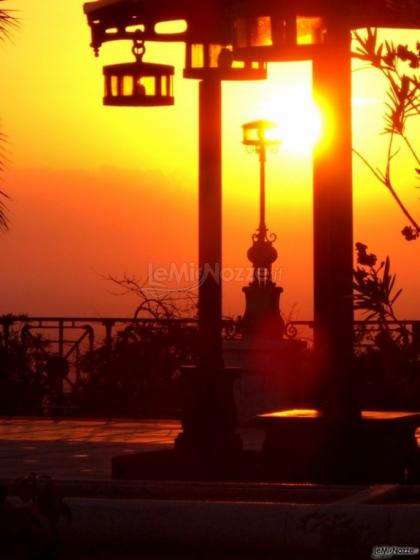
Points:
[(410, 147), (391, 189), (157, 303)]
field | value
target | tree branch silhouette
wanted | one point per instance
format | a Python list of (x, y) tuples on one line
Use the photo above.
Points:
[(156, 303), (403, 103), (387, 183)]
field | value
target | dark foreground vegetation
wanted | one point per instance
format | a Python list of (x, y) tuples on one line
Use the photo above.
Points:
[(136, 373)]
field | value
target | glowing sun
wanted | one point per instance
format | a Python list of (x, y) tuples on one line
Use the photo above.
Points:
[(298, 118)]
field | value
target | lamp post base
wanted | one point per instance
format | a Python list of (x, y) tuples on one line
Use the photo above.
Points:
[(208, 417), (208, 448)]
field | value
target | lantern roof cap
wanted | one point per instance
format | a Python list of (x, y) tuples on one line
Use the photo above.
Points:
[(146, 68), (260, 124)]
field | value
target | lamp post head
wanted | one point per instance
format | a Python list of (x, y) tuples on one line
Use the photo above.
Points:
[(260, 134), (262, 314)]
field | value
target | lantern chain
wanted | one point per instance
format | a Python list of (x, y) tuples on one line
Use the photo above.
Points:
[(138, 49)]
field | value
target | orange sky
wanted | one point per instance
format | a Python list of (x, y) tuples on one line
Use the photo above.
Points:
[(91, 195)]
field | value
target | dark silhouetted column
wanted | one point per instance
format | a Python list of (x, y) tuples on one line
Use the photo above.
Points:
[(209, 411), (333, 225), (210, 223)]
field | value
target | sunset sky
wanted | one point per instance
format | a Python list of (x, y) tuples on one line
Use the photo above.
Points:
[(100, 190)]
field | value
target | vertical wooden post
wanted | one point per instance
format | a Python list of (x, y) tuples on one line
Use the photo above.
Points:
[(333, 224), (210, 224), (208, 411)]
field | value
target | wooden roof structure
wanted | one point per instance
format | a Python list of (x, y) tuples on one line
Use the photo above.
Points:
[(212, 21)]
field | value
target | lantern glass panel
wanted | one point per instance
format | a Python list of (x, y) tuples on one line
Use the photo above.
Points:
[(197, 56), (164, 86), (240, 31), (283, 30), (214, 53), (251, 136), (261, 32), (127, 85), (145, 85), (270, 135), (114, 86), (216, 59), (260, 132), (310, 30), (237, 64)]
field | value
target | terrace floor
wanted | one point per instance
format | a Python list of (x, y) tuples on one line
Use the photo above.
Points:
[(75, 449)]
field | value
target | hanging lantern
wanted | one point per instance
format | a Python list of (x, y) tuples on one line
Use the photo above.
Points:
[(262, 31), (214, 59), (138, 84)]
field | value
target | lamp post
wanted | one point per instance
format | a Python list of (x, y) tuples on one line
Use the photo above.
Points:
[(262, 315), (260, 135), (302, 32)]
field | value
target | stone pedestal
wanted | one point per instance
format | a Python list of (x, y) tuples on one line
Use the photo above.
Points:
[(208, 413), (271, 374), (262, 313)]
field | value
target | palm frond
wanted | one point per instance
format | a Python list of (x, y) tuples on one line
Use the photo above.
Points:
[(4, 224), (8, 22)]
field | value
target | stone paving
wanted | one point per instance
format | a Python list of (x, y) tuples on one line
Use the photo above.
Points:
[(75, 449)]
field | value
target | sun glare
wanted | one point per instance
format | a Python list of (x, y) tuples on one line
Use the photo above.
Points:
[(298, 118)]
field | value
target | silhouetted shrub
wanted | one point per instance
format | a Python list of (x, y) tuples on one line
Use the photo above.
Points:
[(387, 362), (138, 372)]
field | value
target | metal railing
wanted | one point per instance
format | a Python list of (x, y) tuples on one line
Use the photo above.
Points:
[(69, 337), (59, 355)]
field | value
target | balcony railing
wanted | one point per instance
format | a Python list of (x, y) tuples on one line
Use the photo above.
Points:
[(61, 355), (69, 337)]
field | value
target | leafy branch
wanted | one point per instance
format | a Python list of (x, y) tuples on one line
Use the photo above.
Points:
[(396, 63), (374, 294), (374, 286)]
